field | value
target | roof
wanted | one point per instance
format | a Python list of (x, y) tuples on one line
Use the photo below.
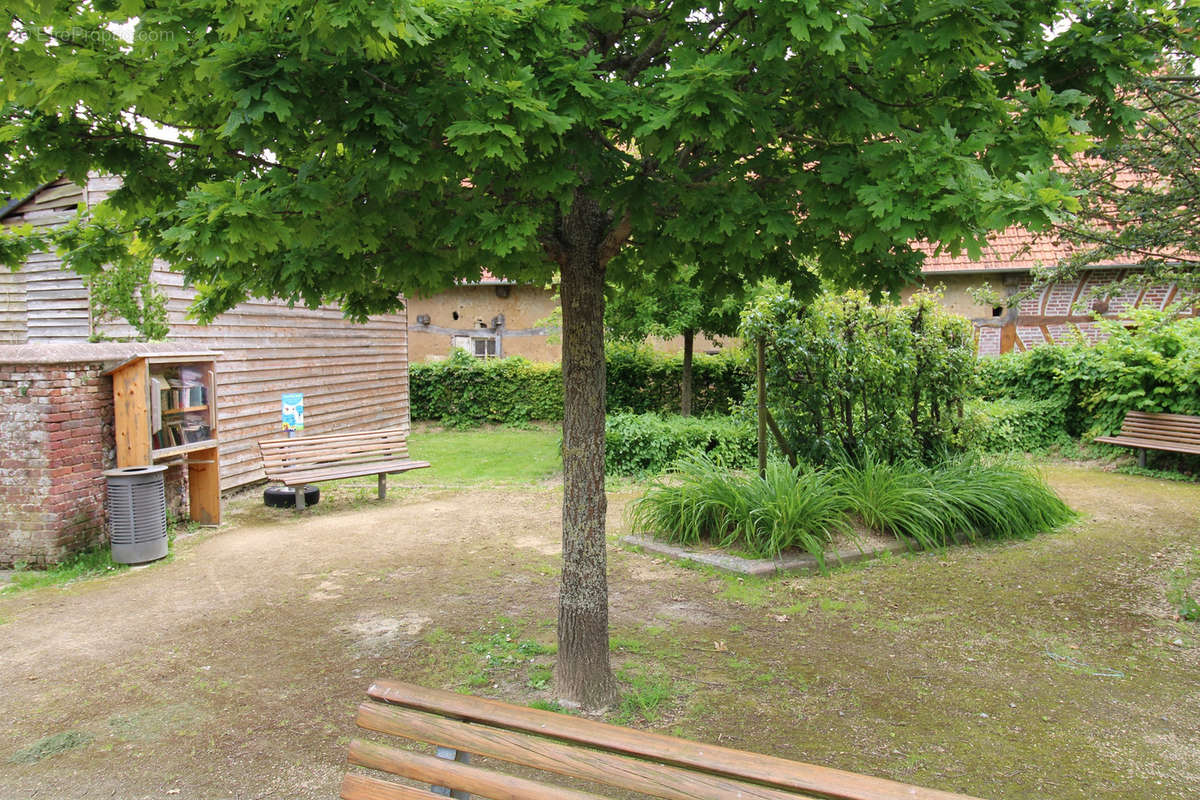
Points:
[(488, 279), (1011, 250), (16, 202), (91, 352)]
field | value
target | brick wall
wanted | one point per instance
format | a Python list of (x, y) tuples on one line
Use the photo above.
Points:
[(56, 440)]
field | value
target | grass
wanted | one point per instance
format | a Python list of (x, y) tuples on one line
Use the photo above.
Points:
[(933, 506), (1183, 588), (701, 500), (88, 564), (492, 454), (804, 507), (51, 746)]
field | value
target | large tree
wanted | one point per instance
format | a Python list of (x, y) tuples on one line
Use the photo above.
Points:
[(350, 151)]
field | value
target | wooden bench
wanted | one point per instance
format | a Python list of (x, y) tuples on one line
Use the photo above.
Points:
[(311, 459), (1178, 433), (539, 742)]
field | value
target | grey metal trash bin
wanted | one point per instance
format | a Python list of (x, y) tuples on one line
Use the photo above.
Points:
[(137, 514)]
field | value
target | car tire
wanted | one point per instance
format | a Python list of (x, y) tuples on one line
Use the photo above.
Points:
[(285, 496)]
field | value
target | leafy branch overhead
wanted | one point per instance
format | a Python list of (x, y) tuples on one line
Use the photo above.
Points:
[(319, 151), (1139, 192)]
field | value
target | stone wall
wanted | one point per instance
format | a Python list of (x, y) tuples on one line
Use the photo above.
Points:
[(56, 441)]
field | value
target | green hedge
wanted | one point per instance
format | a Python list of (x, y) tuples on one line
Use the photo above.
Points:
[(1016, 424), (642, 381), (639, 444), (466, 391), (1151, 364)]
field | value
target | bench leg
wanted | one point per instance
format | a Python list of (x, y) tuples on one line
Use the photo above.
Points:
[(300, 497), (1142, 457), (382, 485), (452, 755)]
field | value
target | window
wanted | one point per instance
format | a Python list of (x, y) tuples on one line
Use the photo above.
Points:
[(484, 347), (478, 346)]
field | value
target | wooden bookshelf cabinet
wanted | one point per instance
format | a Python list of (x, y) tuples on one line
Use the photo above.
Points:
[(165, 409)]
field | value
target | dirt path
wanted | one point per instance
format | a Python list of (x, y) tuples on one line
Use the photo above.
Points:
[(233, 671)]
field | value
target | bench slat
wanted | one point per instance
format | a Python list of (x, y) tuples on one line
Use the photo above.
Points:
[(1160, 424), (1160, 431), (347, 436), (364, 787), (391, 453), (622, 772), (456, 775), (315, 475), (1187, 418), (778, 772), (1149, 444), (333, 448)]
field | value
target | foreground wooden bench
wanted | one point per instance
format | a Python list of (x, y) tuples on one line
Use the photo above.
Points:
[(647, 764), (311, 459), (1178, 433)]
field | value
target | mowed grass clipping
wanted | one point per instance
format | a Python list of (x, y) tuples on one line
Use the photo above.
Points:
[(489, 454), (804, 507)]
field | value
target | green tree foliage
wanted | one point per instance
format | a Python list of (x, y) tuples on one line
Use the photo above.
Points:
[(1139, 192), (846, 377), (349, 151), (677, 307)]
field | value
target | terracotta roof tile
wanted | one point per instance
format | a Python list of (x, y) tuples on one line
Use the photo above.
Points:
[(1013, 249)]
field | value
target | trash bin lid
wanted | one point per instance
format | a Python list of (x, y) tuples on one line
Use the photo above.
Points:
[(129, 472)]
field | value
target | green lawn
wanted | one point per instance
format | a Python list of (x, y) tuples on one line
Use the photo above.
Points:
[(486, 455)]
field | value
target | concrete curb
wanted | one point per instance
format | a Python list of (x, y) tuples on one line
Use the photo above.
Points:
[(761, 567)]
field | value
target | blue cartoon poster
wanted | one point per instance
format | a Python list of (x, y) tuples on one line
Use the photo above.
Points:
[(293, 412)]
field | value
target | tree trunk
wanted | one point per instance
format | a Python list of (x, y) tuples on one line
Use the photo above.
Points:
[(760, 386), (685, 400), (583, 674)]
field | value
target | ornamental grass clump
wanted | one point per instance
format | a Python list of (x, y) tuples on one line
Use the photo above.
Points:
[(960, 498), (700, 500), (804, 507)]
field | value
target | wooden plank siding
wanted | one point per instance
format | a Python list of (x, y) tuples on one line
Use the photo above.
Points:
[(43, 303), (352, 376)]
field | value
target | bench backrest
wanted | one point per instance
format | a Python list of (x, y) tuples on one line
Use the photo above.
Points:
[(650, 764), (1162, 427), (281, 456)]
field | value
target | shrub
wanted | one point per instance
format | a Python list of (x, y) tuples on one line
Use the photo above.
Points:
[(702, 500), (1012, 424), (847, 377), (1149, 363), (963, 497), (929, 506), (641, 380), (638, 444), (1058, 374), (466, 391)]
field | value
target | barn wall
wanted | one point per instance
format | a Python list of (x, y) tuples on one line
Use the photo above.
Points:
[(43, 303), (352, 376)]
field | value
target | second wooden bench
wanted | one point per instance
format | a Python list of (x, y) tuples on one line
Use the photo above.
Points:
[(549, 744), (311, 459), (1178, 433)]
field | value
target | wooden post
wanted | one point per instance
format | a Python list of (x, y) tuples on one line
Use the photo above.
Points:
[(383, 486), (761, 387)]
